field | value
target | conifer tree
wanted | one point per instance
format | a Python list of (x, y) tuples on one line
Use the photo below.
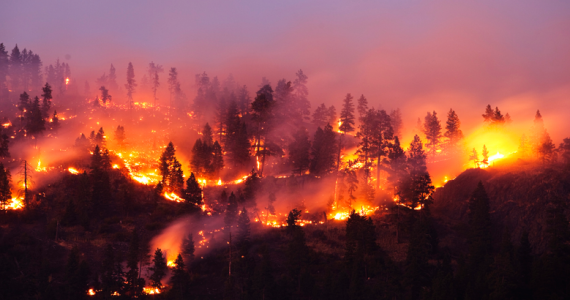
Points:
[(524, 149), (153, 71), (299, 151), (262, 114), (46, 100), (397, 123), (120, 136), (35, 124), (231, 212), (217, 159), (452, 132), (158, 269), (321, 116), (179, 280), (474, 157), (105, 96), (4, 68), (323, 151), (546, 150), (188, 247), (485, 160), (479, 239), (193, 193), (417, 157), (171, 170), (111, 274), (243, 234), (24, 106), (432, 130), (398, 164), (134, 283), (130, 85), (112, 79), (5, 191), (201, 158), (362, 107), (207, 135)]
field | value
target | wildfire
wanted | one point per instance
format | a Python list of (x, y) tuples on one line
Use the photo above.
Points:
[(39, 167), (15, 203), (171, 264), (172, 196), (6, 125), (91, 292), (151, 290), (72, 170), (345, 214)]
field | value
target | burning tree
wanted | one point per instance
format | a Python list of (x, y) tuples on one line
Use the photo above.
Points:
[(346, 123), (323, 151), (171, 170), (46, 102)]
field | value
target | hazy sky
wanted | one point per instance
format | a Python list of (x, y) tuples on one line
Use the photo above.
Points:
[(417, 55)]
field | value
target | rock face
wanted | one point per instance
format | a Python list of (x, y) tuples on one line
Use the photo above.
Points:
[(519, 197)]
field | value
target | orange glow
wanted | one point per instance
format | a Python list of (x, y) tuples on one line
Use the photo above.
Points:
[(171, 264), (73, 171), (91, 292), (173, 197), (151, 290), (67, 81)]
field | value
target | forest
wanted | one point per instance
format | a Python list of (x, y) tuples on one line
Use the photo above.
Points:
[(127, 186)]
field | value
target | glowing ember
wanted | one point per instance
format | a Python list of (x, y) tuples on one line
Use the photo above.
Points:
[(67, 81), (73, 171), (15, 203), (6, 125), (151, 290), (172, 196), (171, 264), (219, 182)]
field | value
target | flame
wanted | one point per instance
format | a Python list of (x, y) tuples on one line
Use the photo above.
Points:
[(39, 167), (91, 292), (172, 196), (6, 125), (219, 182), (67, 81), (151, 290), (15, 203), (73, 170), (171, 264)]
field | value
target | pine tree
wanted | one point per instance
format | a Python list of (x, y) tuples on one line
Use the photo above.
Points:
[(301, 103), (262, 114), (131, 84), (193, 193), (134, 283), (362, 107), (432, 130), (417, 157), (321, 116), (111, 274), (158, 269), (489, 114), (179, 280), (243, 234), (105, 96), (24, 106), (480, 244), (323, 151), (231, 212), (207, 135), (346, 123), (46, 100), (16, 69), (5, 191), (537, 133), (452, 132), (381, 141), (153, 71), (524, 149), (485, 160), (120, 136), (546, 150), (188, 247), (4, 144), (474, 157), (217, 160), (201, 158), (398, 164), (299, 151), (171, 170), (4, 70), (112, 78), (35, 124), (397, 123)]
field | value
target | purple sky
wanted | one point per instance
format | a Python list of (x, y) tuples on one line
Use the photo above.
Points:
[(417, 55)]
